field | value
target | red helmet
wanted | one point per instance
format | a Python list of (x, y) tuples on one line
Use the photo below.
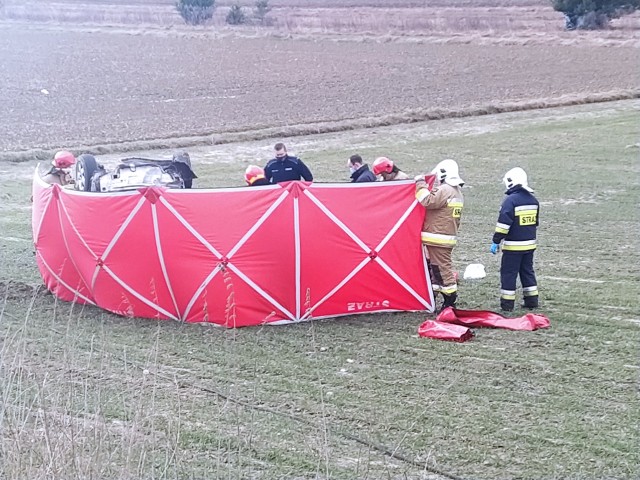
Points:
[(63, 159), (253, 173), (382, 164)]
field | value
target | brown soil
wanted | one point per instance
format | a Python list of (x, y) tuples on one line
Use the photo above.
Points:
[(106, 87)]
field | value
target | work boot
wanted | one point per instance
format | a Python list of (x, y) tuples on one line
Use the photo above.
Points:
[(507, 305), (530, 302), (449, 300)]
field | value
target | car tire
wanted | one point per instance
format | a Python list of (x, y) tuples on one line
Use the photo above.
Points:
[(86, 166)]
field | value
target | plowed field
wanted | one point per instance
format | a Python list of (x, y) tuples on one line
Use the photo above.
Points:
[(66, 87)]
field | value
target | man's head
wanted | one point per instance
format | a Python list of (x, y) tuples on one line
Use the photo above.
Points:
[(382, 165), (253, 173), (516, 176), (447, 172), (63, 159), (355, 161), (182, 157), (281, 150)]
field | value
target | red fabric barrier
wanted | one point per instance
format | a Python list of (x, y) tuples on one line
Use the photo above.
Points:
[(485, 318), (235, 256), (444, 331)]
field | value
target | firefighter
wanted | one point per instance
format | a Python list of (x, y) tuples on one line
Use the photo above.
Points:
[(254, 176), (439, 233), (388, 170), (60, 171), (516, 229), (285, 167)]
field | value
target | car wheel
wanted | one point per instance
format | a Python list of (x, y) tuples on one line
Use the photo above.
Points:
[(86, 166)]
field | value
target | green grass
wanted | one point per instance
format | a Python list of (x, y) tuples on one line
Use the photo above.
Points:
[(88, 394)]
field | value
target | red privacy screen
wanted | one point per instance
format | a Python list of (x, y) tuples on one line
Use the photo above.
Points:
[(235, 256)]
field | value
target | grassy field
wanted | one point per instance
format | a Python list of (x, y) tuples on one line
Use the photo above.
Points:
[(86, 394)]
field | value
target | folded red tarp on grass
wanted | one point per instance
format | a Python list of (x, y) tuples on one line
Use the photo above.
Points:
[(485, 318), (444, 331)]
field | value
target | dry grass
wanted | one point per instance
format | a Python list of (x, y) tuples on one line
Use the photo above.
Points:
[(510, 22)]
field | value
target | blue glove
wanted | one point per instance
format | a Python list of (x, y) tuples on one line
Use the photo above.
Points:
[(495, 247)]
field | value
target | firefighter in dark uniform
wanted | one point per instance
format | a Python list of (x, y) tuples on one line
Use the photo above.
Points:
[(254, 176), (516, 229), (285, 168)]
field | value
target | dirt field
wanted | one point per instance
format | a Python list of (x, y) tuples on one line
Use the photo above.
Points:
[(105, 87)]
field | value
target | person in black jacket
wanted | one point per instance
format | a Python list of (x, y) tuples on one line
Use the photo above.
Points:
[(516, 228), (359, 171), (284, 167)]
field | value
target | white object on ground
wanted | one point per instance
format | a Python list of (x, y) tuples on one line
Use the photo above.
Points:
[(44, 91), (474, 271)]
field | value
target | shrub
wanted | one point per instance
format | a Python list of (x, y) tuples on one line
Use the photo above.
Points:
[(195, 12), (261, 9), (593, 14), (236, 15)]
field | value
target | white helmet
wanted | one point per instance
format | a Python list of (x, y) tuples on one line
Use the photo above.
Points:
[(516, 176), (447, 172)]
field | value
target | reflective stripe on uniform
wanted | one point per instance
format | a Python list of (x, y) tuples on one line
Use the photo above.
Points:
[(526, 208), (436, 288), (455, 204), (449, 289), (530, 291), (502, 228), (508, 294), (422, 194), (438, 239), (519, 246)]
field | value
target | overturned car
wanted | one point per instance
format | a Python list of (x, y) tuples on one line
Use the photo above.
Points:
[(132, 173)]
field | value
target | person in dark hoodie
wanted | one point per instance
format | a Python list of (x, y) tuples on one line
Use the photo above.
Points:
[(516, 229), (359, 171)]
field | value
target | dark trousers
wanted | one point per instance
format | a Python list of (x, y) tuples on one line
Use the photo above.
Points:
[(514, 264)]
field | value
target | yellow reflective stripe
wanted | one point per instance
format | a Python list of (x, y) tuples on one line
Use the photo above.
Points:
[(519, 248), (439, 242), (449, 289), (502, 227), (508, 297), (455, 204), (438, 239), (422, 194), (531, 293)]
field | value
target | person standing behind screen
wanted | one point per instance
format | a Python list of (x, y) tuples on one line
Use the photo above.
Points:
[(359, 171), (388, 170), (254, 176), (60, 171), (285, 167)]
